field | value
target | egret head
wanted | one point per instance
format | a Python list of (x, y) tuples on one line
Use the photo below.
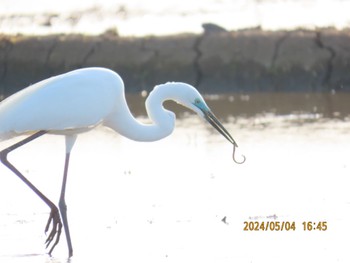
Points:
[(192, 99), (189, 97)]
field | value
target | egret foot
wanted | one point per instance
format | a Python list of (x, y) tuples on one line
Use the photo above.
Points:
[(56, 230)]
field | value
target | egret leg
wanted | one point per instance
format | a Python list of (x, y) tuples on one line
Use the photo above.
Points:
[(63, 207), (54, 217)]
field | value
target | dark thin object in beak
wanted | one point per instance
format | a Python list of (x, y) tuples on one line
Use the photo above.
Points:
[(233, 156)]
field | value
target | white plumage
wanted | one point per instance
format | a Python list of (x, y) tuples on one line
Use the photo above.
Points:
[(78, 101)]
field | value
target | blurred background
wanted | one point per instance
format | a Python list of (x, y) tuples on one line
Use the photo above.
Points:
[(276, 72), (155, 17), (219, 46)]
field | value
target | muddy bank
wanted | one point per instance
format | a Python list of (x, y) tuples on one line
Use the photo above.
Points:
[(215, 61)]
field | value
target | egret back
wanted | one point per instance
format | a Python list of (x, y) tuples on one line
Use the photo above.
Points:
[(80, 99)]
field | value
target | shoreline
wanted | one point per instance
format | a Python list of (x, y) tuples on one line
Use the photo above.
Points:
[(215, 61)]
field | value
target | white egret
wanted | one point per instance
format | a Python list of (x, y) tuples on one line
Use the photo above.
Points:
[(78, 101)]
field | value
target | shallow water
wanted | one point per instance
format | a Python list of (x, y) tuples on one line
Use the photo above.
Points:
[(166, 201)]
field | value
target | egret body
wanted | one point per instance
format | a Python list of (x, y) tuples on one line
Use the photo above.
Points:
[(77, 102)]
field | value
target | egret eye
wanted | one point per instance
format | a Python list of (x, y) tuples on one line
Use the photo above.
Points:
[(197, 101)]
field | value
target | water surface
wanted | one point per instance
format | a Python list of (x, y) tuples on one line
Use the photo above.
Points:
[(166, 201)]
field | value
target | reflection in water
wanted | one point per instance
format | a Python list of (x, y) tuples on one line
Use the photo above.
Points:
[(326, 105), (165, 201)]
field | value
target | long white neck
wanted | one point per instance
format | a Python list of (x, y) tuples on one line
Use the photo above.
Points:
[(162, 121)]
